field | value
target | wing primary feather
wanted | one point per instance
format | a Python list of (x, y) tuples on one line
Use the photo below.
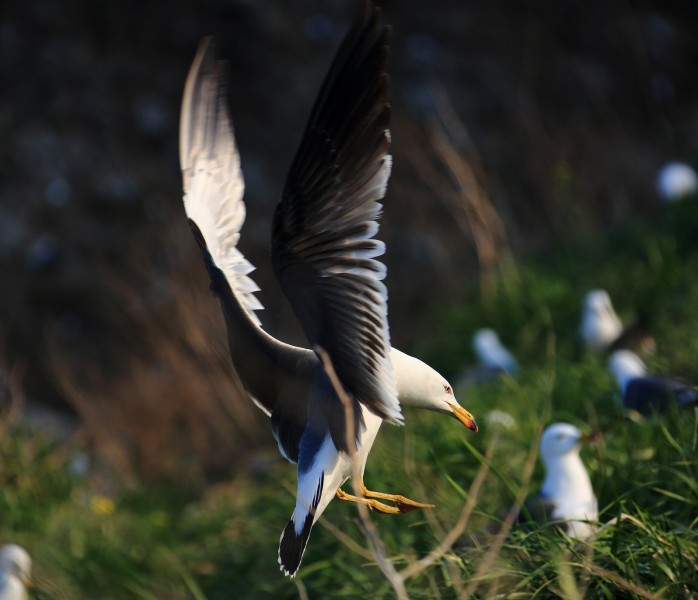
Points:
[(324, 250), (211, 172)]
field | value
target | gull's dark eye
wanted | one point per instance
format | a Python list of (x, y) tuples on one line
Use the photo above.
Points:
[(447, 389), (560, 436)]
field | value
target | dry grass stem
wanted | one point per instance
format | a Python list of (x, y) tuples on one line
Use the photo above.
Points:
[(302, 592), (169, 402), (634, 521), (474, 211), (345, 539), (621, 582), (457, 530)]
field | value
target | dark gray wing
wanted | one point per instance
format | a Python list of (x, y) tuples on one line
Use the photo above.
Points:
[(323, 247), (655, 394)]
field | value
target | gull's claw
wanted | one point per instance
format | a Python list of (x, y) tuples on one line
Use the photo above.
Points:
[(371, 499)]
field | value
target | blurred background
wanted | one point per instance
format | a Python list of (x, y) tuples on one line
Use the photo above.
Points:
[(516, 129)]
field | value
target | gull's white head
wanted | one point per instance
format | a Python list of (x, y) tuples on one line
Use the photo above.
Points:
[(15, 562), (600, 325), (625, 366), (675, 181), (484, 340), (420, 386), (491, 353), (558, 440)]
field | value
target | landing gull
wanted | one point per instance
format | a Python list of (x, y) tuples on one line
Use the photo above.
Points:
[(645, 393), (15, 569), (325, 256), (566, 497)]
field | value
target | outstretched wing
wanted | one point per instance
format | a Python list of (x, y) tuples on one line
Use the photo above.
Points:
[(213, 182), (323, 248)]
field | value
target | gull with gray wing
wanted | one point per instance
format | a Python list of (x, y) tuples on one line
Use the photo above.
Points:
[(601, 329), (325, 257), (645, 393)]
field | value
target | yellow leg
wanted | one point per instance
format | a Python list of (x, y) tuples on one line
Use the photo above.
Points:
[(404, 504), (371, 498), (372, 504)]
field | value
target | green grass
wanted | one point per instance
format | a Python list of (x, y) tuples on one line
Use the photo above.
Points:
[(169, 542)]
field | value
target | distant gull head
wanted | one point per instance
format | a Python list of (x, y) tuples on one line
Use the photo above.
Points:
[(676, 181), (491, 353), (558, 440), (600, 325)]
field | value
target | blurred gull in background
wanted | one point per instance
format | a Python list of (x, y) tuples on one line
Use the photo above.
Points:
[(566, 496), (600, 325), (645, 393), (494, 360), (15, 570), (500, 418), (675, 181), (492, 354), (602, 330)]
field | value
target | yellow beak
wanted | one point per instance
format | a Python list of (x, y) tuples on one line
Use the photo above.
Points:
[(464, 417)]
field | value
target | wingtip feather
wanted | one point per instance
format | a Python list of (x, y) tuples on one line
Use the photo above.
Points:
[(212, 177)]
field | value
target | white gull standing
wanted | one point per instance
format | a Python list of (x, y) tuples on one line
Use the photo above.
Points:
[(644, 393), (325, 256), (15, 571), (566, 497), (602, 330)]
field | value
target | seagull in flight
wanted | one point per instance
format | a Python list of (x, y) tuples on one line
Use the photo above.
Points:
[(325, 255)]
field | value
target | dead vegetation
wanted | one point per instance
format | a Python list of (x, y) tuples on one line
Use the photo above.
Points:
[(165, 401)]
